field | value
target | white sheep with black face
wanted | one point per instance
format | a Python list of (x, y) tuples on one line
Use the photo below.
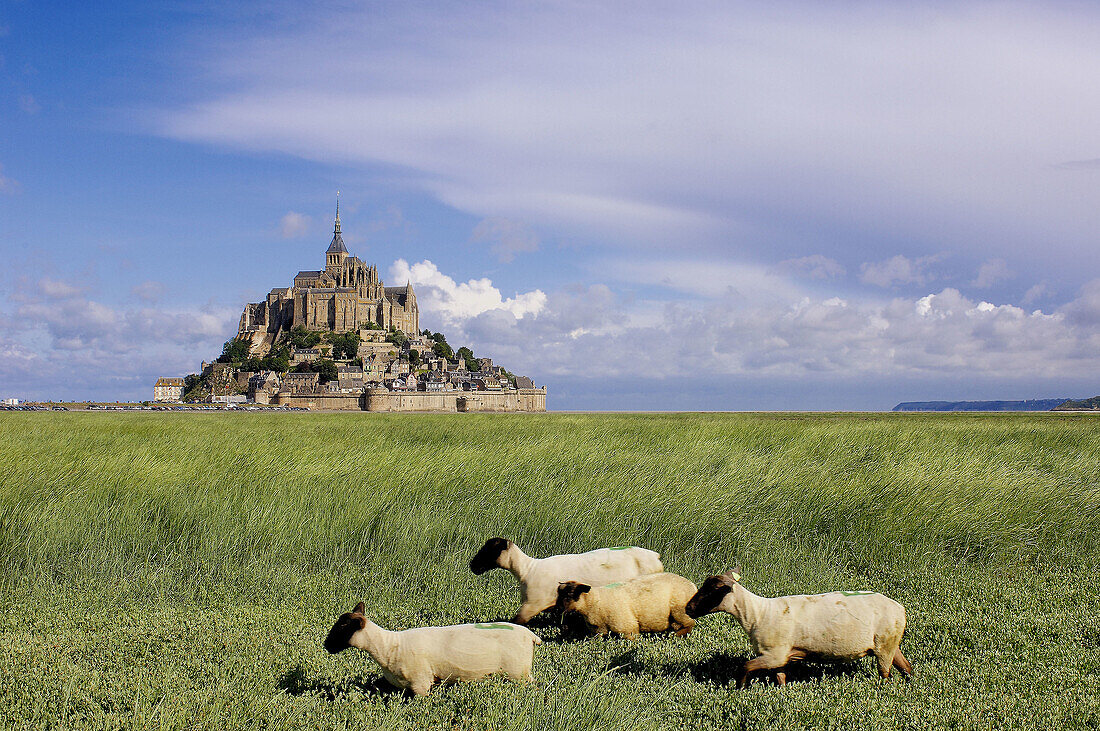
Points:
[(539, 577), (417, 658), (838, 626), (651, 603)]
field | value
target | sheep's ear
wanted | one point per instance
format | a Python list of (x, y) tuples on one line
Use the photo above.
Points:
[(360, 608), (733, 575)]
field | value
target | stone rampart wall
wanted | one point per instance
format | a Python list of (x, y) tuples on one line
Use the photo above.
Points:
[(383, 400), (526, 399), (328, 401)]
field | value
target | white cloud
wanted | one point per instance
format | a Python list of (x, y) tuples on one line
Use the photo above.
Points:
[(57, 288), (59, 342), (455, 302), (826, 125), (991, 272), (814, 266), (896, 270), (701, 278), (294, 225), (1035, 293), (582, 331), (505, 236), (148, 291)]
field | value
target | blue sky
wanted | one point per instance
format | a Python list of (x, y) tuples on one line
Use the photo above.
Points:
[(689, 205)]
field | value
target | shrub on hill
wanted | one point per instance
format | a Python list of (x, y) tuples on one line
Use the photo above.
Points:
[(299, 337), (344, 345), (235, 350), (443, 350), (397, 337)]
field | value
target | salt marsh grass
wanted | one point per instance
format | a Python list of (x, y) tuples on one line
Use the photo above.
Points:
[(180, 570)]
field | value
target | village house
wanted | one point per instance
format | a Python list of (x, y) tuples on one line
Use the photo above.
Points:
[(296, 383), (263, 386)]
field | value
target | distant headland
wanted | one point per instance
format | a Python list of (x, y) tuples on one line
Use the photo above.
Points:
[(1043, 404)]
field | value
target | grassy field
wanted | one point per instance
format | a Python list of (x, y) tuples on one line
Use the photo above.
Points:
[(181, 570)]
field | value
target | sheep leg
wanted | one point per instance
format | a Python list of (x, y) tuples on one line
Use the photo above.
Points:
[(420, 685), (793, 655), (763, 662), (629, 627), (885, 652), (683, 621), (525, 613), (902, 663)]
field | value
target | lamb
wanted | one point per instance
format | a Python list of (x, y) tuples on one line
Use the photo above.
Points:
[(838, 626), (652, 603), (539, 577), (414, 659)]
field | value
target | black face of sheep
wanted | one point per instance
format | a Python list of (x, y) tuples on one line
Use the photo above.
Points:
[(339, 636), (709, 596), (574, 626), (568, 593), (486, 559)]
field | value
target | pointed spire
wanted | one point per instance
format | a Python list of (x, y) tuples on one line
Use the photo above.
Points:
[(337, 245)]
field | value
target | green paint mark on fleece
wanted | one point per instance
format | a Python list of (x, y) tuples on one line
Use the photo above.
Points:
[(620, 548), (858, 593), (612, 586), (493, 625)]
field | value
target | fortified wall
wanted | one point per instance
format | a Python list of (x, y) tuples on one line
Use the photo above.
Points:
[(325, 401), (524, 399), (384, 400)]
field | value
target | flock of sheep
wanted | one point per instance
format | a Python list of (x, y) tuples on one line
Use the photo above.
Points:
[(625, 590)]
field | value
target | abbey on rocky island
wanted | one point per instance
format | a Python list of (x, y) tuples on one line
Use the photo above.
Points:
[(338, 338)]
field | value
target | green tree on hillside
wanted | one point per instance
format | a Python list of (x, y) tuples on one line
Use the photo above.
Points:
[(465, 355), (235, 350), (344, 345), (397, 337), (299, 337), (326, 370), (443, 351)]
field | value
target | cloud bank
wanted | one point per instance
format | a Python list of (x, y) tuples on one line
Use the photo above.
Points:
[(61, 343), (810, 129)]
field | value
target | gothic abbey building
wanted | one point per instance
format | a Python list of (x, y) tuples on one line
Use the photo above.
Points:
[(346, 295)]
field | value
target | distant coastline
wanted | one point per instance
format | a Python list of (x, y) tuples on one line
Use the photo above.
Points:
[(1043, 404)]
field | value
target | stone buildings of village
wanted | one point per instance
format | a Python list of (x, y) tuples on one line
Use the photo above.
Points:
[(395, 366)]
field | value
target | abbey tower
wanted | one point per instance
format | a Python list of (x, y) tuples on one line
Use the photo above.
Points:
[(346, 295)]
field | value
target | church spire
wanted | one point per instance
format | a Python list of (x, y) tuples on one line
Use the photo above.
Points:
[(337, 245)]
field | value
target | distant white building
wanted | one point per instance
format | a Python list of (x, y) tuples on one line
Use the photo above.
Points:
[(168, 389), (11, 402)]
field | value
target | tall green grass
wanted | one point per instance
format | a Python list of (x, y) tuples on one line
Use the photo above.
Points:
[(165, 533)]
